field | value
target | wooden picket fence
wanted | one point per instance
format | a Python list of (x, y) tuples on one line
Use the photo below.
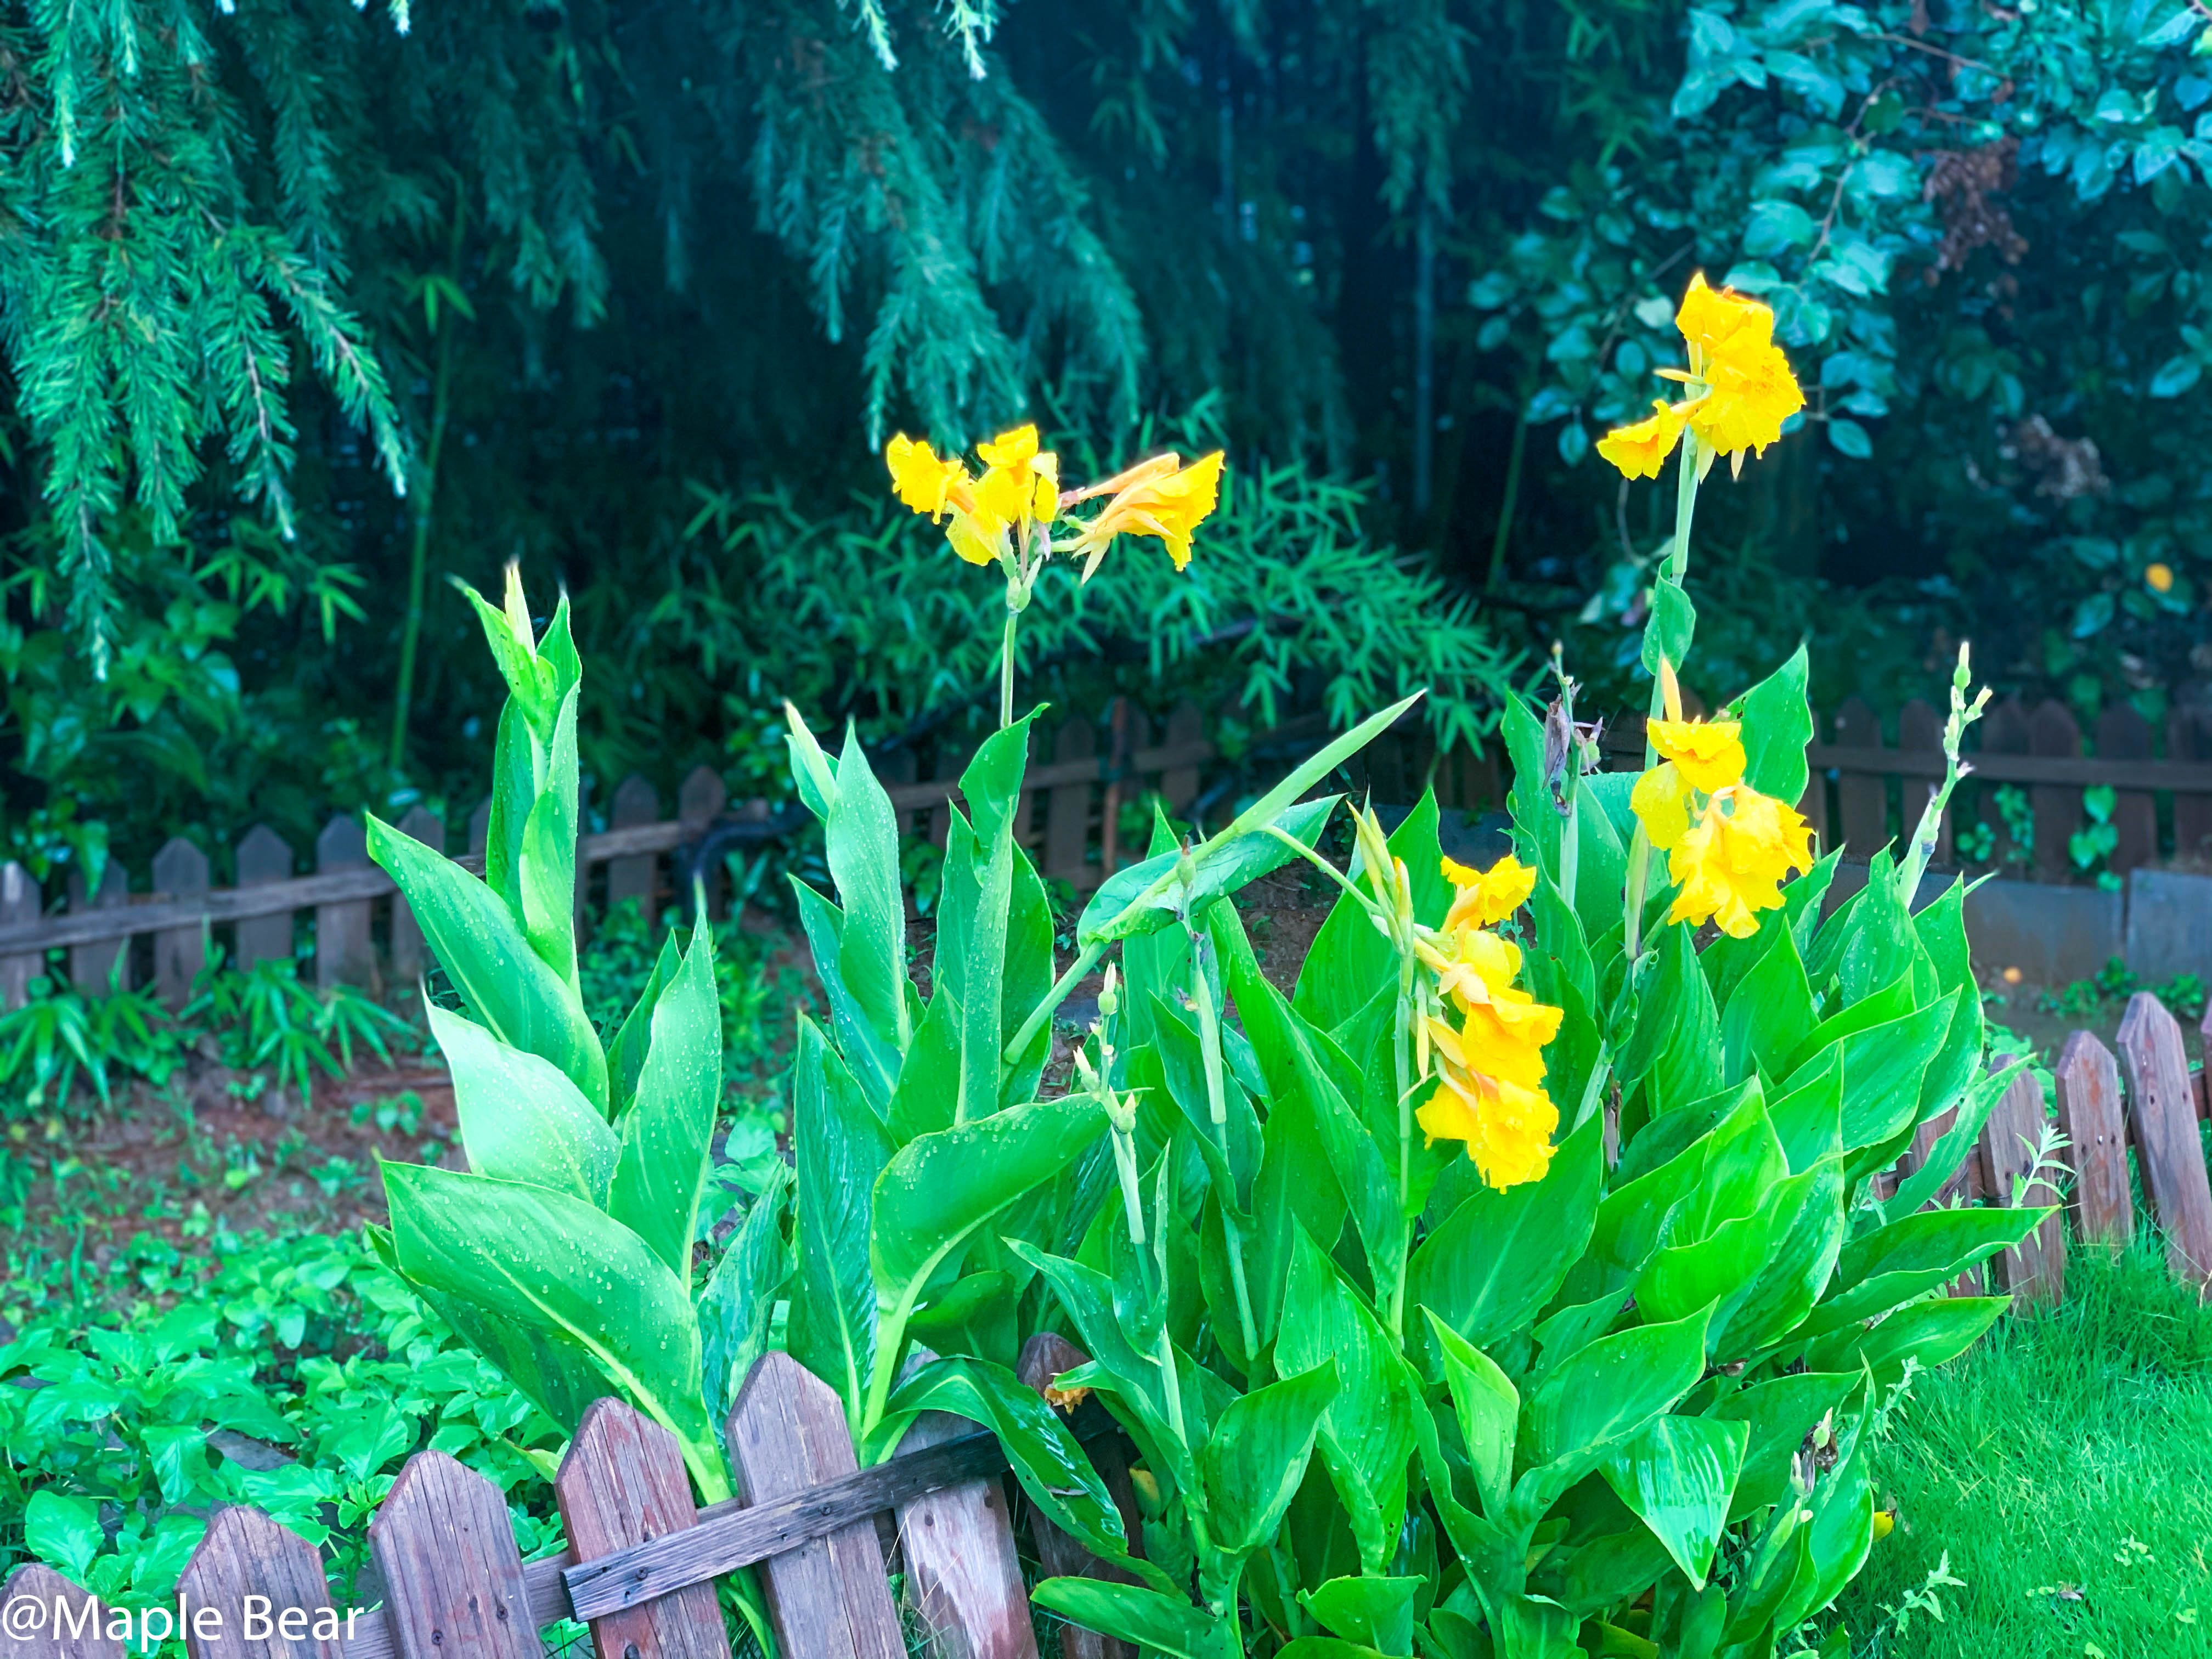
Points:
[(641, 1557), (1069, 819), (2146, 1099), (1862, 788)]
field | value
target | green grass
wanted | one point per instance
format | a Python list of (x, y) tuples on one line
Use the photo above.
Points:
[(2062, 1464)]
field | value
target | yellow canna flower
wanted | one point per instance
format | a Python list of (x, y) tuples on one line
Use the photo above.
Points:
[(1159, 497), (1731, 863), (1639, 450), (2160, 576), (1720, 324), (1017, 478), (1750, 395), (1508, 1128), (1660, 801), (1743, 385), (1709, 753), (1485, 896), (924, 480)]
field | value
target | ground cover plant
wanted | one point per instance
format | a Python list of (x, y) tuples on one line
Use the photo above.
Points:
[(1613, 1376)]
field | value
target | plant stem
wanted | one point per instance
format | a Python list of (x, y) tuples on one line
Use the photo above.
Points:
[(1678, 565), (1006, 670), (426, 487), (1402, 1064), (1639, 877), (1217, 1110), (1513, 460), (1085, 960)]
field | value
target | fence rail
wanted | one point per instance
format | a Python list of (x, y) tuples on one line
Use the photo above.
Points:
[(641, 1557)]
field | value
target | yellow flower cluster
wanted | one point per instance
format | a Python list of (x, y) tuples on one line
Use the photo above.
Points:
[(1728, 847), (1019, 493), (1489, 1068), (1742, 387), (1020, 486)]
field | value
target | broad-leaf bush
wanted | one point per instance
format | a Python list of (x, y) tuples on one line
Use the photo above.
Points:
[(1604, 1381)]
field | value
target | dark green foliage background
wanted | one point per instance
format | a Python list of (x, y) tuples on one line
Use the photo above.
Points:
[(678, 267)]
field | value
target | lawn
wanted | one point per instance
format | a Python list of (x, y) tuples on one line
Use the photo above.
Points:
[(2059, 1466)]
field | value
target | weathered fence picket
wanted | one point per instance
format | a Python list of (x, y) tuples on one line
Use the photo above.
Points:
[(73, 1623), (2033, 1270), (2162, 1113), (2090, 1116)]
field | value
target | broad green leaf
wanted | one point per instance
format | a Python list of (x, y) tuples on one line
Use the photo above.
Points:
[(1678, 1475), (1809, 1232), (1536, 821), (667, 1133), (1087, 1297), (1893, 1001), (937, 1189), (875, 1058), (1945, 1241), (1376, 1613), (1716, 1271), (1367, 1427), (1489, 1410), (626, 1055), (991, 783), (738, 1303), (1929, 1331), (1613, 1387), (1611, 1569), (546, 876), (1129, 1612), (982, 945), (927, 1092), (522, 1119), (553, 1370), (1769, 1012), (1251, 1464), (505, 983), (66, 1532), (839, 1149), (1780, 1413), (1778, 725), (861, 841), (529, 1256), (1808, 1118), (1499, 1256), (1883, 1069)]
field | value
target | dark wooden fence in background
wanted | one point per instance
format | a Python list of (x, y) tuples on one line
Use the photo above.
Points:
[(1084, 773)]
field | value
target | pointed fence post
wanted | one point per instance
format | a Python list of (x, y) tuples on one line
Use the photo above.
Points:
[(1862, 796), (2123, 735), (631, 876), (621, 1483), (92, 966), (2053, 731), (828, 1596), (180, 871), (20, 903), (343, 952), (2089, 1114), (698, 803), (71, 1623), (263, 857), (2033, 1270), (245, 1554), (963, 1575), (452, 1577), (2004, 730), (2162, 1108), (410, 958), (1067, 806)]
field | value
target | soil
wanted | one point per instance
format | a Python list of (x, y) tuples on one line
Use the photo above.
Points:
[(212, 1146)]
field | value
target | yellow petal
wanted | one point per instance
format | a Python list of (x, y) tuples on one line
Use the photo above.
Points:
[(1660, 801), (1709, 753), (1640, 450), (1486, 897)]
